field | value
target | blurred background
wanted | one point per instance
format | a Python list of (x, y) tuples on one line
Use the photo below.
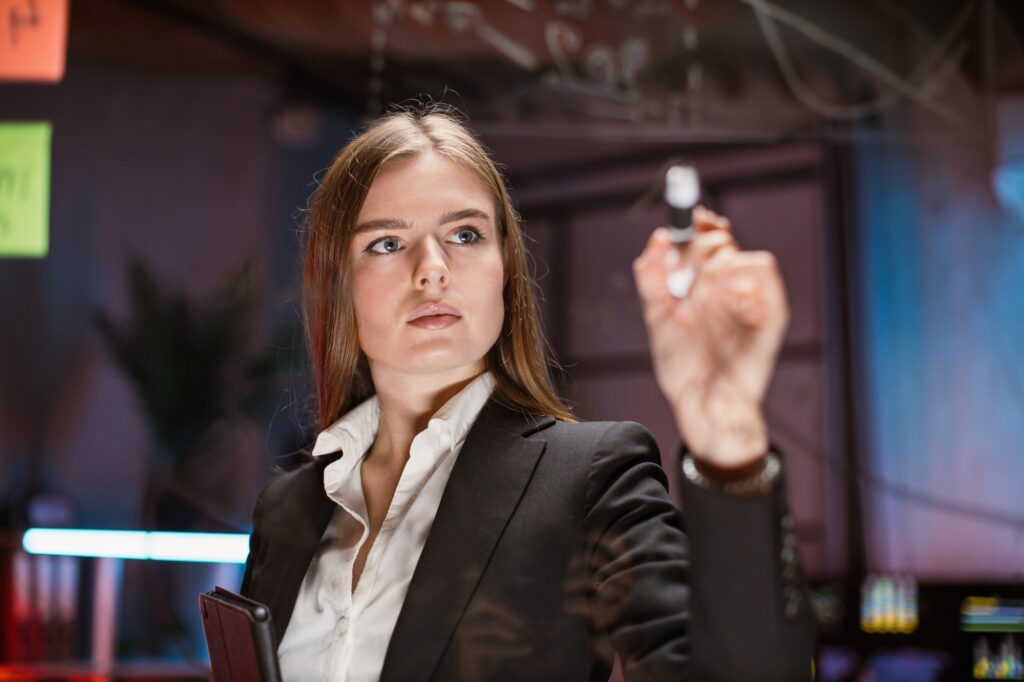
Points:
[(156, 157)]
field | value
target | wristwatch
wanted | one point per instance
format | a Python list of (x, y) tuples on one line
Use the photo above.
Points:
[(757, 483)]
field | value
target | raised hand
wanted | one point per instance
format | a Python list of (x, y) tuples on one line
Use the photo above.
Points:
[(714, 349)]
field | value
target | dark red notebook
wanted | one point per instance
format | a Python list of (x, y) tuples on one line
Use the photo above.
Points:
[(240, 637)]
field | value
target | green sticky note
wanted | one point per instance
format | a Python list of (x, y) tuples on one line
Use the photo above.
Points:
[(25, 189)]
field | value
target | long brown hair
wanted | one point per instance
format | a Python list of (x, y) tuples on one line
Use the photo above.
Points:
[(341, 372)]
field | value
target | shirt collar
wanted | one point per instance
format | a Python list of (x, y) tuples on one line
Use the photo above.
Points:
[(355, 432), (458, 414)]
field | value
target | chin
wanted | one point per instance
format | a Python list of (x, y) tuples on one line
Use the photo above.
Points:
[(433, 361), (438, 365)]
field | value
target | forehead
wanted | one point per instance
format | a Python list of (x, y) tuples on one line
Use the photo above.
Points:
[(424, 186)]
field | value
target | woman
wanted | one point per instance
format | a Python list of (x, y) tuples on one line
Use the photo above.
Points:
[(457, 523)]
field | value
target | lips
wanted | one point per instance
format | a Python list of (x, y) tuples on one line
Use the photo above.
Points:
[(434, 310)]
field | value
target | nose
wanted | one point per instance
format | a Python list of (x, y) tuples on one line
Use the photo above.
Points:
[(432, 266)]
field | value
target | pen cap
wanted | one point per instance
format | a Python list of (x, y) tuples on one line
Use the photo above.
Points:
[(682, 187), (682, 192)]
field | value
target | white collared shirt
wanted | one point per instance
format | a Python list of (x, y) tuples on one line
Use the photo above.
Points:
[(335, 634)]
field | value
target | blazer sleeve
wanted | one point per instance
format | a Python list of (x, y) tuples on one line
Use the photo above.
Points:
[(752, 611), (704, 603)]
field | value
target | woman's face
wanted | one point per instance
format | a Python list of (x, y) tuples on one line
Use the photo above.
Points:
[(427, 272)]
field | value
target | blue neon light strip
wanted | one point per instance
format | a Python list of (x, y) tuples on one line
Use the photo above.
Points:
[(222, 548)]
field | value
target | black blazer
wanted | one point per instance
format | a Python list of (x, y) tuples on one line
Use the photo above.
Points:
[(556, 546)]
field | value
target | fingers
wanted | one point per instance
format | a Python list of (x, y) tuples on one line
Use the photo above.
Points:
[(665, 268), (706, 220), (714, 232), (665, 272), (750, 285), (742, 285), (705, 245), (650, 271)]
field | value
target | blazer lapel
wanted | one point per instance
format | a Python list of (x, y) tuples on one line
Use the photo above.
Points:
[(485, 486), (301, 518)]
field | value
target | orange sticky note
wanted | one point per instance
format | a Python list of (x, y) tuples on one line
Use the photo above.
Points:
[(33, 40)]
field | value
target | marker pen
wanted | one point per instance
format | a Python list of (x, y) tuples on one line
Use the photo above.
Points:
[(682, 193)]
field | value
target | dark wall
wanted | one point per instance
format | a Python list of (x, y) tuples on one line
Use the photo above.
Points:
[(182, 171)]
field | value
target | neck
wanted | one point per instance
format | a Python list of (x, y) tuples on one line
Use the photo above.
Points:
[(407, 402)]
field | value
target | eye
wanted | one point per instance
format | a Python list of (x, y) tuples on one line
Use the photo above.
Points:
[(384, 245), (467, 235)]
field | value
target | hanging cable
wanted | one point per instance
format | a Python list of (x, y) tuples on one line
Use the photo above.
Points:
[(767, 14)]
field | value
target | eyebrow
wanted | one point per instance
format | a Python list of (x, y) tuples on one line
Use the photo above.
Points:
[(464, 214), (396, 224)]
